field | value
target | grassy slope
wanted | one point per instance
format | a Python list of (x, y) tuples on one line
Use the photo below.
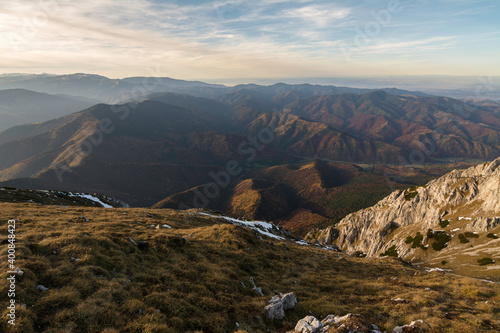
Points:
[(173, 286)]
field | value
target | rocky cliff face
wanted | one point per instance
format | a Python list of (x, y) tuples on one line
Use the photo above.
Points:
[(419, 222)]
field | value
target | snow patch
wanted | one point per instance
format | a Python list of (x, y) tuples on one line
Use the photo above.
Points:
[(260, 226), (332, 248), (430, 270), (91, 198)]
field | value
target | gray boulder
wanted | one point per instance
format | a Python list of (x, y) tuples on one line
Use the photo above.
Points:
[(308, 324), (275, 311), (278, 304), (289, 300)]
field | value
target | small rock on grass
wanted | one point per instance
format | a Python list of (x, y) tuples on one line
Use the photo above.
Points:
[(419, 326)]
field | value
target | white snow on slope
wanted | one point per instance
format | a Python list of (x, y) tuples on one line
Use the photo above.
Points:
[(260, 226), (90, 197)]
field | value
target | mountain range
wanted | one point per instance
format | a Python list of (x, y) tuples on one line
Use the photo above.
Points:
[(108, 90), (307, 149), (20, 106)]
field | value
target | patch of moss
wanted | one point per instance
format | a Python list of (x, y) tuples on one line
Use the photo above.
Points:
[(444, 262), (443, 223), (416, 241), (430, 233), (410, 195), (485, 261), (441, 239), (411, 192), (492, 235), (392, 252), (463, 239)]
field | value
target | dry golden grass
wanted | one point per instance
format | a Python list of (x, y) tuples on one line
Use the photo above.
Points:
[(173, 285)]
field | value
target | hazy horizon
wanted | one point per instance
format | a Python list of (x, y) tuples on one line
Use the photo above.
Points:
[(475, 87)]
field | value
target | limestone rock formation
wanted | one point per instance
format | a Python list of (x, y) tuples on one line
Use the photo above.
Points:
[(308, 324), (348, 323), (469, 199)]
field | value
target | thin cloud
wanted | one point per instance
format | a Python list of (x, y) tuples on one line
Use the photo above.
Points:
[(415, 45), (227, 38), (321, 15)]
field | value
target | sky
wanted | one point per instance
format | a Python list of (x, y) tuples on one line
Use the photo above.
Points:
[(223, 39)]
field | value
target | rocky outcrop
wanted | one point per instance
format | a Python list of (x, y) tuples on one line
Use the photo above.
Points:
[(483, 224), (279, 304), (471, 196), (324, 239), (308, 324), (258, 290), (348, 323)]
